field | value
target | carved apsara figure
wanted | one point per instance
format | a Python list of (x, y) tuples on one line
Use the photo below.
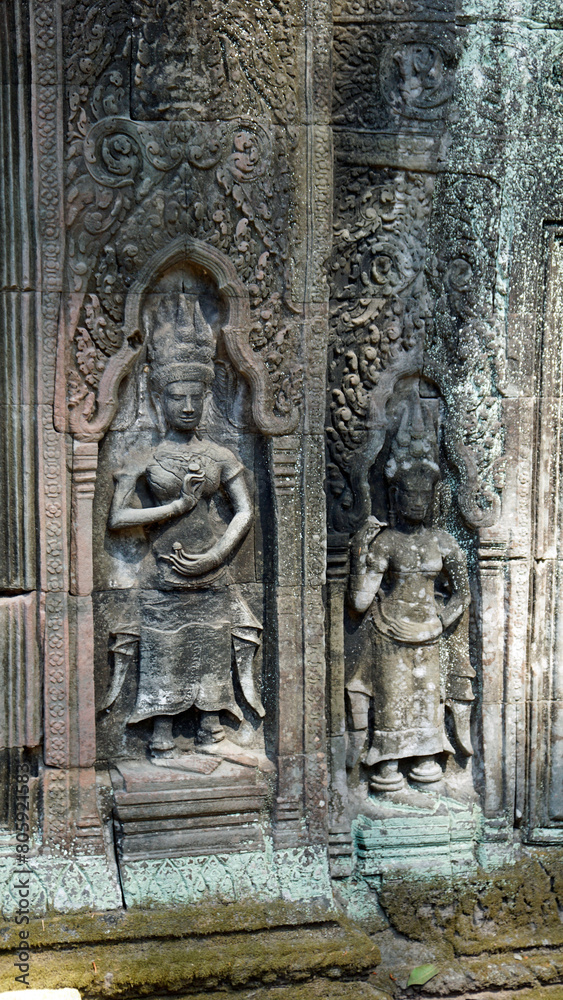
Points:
[(412, 580), (192, 616)]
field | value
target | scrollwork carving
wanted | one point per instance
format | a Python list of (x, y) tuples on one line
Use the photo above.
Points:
[(204, 63), (368, 9), (395, 314), (411, 72), (251, 151), (95, 396), (380, 306), (465, 345), (136, 185), (417, 76)]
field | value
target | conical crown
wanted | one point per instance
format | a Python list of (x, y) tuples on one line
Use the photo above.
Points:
[(414, 448), (181, 342)]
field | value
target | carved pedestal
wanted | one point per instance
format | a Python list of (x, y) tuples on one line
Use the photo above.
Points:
[(159, 813)]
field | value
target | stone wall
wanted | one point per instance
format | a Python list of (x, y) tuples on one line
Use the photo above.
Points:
[(279, 623)]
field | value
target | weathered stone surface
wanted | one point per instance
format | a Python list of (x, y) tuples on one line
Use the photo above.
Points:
[(320, 946), (321, 988), (62, 994), (280, 317)]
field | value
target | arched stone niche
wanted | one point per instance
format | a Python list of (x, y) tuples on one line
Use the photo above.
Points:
[(224, 619)]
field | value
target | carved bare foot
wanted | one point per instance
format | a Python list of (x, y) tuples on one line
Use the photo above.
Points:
[(386, 777), (162, 742), (210, 729), (237, 755), (194, 762), (426, 770)]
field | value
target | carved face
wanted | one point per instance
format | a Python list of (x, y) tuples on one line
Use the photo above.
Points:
[(182, 403), (413, 498)]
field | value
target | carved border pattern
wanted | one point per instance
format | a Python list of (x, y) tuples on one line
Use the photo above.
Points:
[(47, 154), (56, 682)]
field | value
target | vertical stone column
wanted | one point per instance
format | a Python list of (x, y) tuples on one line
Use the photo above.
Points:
[(492, 572), (545, 803), (20, 677), (17, 300), (289, 801), (298, 464), (315, 337), (52, 472), (65, 478), (84, 466), (340, 838)]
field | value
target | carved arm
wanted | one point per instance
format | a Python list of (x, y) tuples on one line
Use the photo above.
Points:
[(123, 515), (196, 564), (365, 580)]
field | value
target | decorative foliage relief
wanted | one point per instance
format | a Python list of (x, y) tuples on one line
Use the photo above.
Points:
[(464, 352), (385, 9), (380, 307), (214, 61), (136, 183), (411, 72), (398, 310), (290, 874)]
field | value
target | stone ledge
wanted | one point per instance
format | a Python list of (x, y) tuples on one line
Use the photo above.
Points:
[(323, 989), (517, 906), (538, 993), (524, 972), (114, 926)]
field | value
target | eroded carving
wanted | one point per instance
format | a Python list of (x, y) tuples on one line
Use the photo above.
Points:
[(191, 614), (380, 309), (397, 311), (465, 345), (411, 580), (411, 71), (197, 62), (417, 76), (167, 151)]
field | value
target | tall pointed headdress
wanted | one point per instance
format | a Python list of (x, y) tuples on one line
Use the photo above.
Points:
[(414, 448), (181, 342)]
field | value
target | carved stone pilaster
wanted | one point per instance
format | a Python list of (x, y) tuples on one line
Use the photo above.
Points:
[(20, 700), (84, 466), (340, 838), (285, 461), (545, 683), (47, 150), (492, 573)]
